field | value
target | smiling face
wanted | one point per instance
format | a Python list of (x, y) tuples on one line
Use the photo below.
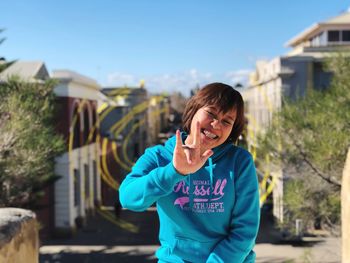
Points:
[(215, 126), (216, 106)]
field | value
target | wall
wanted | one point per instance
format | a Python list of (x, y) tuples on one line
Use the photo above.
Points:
[(19, 240)]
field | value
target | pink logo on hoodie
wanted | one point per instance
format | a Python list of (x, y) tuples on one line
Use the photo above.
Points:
[(202, 191), (182, 201)]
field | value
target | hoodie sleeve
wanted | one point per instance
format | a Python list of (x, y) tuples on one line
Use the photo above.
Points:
[(238, 246), (147, 182)]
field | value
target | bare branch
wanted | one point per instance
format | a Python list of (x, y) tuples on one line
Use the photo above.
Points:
[(317, 172)]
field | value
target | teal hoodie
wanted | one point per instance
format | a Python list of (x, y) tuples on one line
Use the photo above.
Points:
[(209, 216)]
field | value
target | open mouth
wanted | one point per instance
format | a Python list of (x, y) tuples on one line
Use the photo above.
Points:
[(209, 134)]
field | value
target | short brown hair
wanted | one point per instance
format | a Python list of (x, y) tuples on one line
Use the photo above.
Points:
[(222, 96)]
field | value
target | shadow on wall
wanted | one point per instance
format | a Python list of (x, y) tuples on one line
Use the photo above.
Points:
[(268, 232)]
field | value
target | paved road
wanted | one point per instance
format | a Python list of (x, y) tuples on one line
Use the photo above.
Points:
[(133, 238)]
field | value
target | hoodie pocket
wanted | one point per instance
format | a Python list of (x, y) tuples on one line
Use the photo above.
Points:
[(193, 250)]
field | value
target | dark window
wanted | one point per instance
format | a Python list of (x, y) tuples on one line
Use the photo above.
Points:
[(87, 181), (76, 134), (333, 36), (346, 35), (76, 187), (94, 166), (86, 126), (94, 126)]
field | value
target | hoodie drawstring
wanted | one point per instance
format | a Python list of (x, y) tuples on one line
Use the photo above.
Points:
[(190, 190), (211, 174)]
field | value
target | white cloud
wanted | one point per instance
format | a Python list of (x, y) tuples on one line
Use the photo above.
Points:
[(168, 82), (181, 81), (238, 76), (121, 79), (254, 59)]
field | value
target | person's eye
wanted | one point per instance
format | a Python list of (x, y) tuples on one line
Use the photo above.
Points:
[(227, 123), (210, 113)]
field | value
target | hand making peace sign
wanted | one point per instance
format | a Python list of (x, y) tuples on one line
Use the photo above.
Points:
[(188, 159)]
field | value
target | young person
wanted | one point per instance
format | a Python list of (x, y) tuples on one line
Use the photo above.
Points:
[(205, 187)]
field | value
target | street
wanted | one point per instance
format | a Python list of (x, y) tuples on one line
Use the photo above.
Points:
[(133, 237)]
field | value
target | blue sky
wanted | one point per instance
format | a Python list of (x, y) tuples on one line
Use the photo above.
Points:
[(171, 45)]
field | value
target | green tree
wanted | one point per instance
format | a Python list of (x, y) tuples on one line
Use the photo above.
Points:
[(3, 63), (309, 138), (28, 142)]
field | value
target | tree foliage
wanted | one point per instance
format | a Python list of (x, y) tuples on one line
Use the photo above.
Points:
[(3, 63), (310, 138), (28, 142)]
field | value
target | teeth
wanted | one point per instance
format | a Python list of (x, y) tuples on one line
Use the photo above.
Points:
[(209, 134)]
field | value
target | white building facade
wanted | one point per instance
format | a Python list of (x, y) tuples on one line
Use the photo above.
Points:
[(290, 76), (79, 188)]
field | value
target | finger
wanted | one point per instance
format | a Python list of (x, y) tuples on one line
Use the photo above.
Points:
[(206, 155), (188, 155), (178, 145), (197, 135)]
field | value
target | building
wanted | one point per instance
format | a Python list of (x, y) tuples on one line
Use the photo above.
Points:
[(290, 76), (30, 71), (79, 188), (158, 119), (127, 128), (124, 136)]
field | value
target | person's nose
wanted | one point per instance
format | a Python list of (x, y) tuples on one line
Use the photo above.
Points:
[(215, 123)]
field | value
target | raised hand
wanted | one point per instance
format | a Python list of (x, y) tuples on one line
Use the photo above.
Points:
[(188, 159)]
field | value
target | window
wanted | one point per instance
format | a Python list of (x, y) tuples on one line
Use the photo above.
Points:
[(333, 36), (94, 166), (86, 126), (346, 35), (87, 181), (76, 123), (76, 187)]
